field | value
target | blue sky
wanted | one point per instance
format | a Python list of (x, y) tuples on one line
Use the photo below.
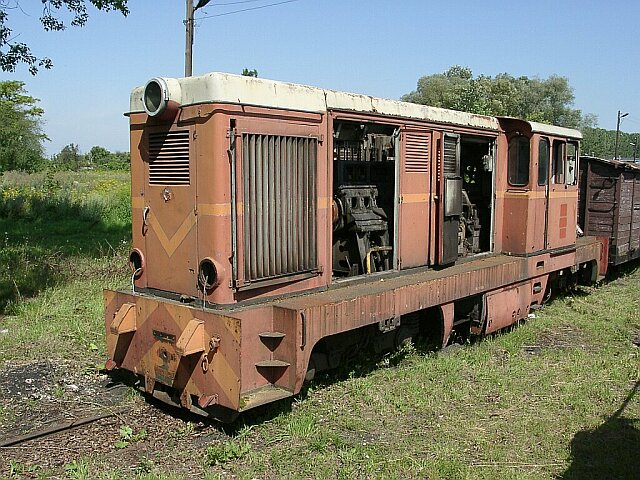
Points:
[(377, 47)]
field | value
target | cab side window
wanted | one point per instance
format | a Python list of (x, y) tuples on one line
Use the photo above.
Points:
[(518, 167), (559, 149), (572, 163), (543, 162)]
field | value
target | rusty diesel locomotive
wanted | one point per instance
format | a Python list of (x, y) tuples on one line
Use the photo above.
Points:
[(277, 228)]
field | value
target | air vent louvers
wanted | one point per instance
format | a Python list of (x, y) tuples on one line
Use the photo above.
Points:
[(418, 153), (169, 158)]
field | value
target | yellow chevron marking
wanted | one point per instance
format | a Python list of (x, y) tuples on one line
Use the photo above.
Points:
[(233, 327), (225, 375), (171, 244)]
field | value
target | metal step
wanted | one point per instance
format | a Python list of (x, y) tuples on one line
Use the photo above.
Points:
[(272, 364), (263, 395), (272, 335)]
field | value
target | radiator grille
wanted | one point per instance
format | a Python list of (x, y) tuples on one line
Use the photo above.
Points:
[(418, 153), (279, 193), (169, 158), (451, 155)]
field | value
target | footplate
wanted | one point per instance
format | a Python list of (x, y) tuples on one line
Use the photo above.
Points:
[(189, 354)]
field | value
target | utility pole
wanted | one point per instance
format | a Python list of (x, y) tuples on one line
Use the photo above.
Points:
[(188, 23), (615, 155), (635, 149), (188, 52)]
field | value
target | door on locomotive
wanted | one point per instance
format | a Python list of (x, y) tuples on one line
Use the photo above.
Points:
[(540, 192), (562, 195), (168, 215), (415, 205), (468, 188)]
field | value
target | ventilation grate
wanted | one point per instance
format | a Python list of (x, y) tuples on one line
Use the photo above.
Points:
[(279, 191), (418, 153), (451, 155), (169, 158)]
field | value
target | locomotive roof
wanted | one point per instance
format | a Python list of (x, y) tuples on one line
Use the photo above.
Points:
[(555, 130), (229, 88)]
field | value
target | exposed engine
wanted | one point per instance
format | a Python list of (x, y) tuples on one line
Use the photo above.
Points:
[(469, 228), (361, 232)]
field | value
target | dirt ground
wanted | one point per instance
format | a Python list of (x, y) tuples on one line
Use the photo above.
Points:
[(134, 436)]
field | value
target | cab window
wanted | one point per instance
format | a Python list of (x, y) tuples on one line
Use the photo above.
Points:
[(543, 162), (558, 162), (518, 168), (572, 163)]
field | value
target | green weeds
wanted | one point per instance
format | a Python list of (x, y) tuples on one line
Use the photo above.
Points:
[(127, 436), (221, 453), (77, 469), (63, 238)]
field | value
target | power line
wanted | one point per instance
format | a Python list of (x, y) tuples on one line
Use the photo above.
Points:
[(247, 9), (234, 3)]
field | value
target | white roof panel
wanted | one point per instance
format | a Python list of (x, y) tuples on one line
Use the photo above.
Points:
[(555, 130), (227, 88)]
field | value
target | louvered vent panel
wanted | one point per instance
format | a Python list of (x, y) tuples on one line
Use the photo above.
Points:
[(169, 158), (279, 191), (451, 155), (418, 153)]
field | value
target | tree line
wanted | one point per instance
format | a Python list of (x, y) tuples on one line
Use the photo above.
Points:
[(541, 100), (547, 100), (22, 138)]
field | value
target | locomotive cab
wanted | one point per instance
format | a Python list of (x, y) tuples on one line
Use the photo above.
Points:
[(537, 189)]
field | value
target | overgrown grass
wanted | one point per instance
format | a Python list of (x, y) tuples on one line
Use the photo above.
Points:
[(63, 237), (554, 398)]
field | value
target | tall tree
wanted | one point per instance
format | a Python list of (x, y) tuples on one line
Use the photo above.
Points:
[(13, 53), (69, 157), (543, 100), (21, 135)]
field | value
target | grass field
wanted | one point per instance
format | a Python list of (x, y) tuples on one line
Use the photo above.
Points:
[(554, 398), (63, 237)]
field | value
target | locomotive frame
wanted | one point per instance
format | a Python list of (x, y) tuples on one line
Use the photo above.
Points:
[(278, 227)]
